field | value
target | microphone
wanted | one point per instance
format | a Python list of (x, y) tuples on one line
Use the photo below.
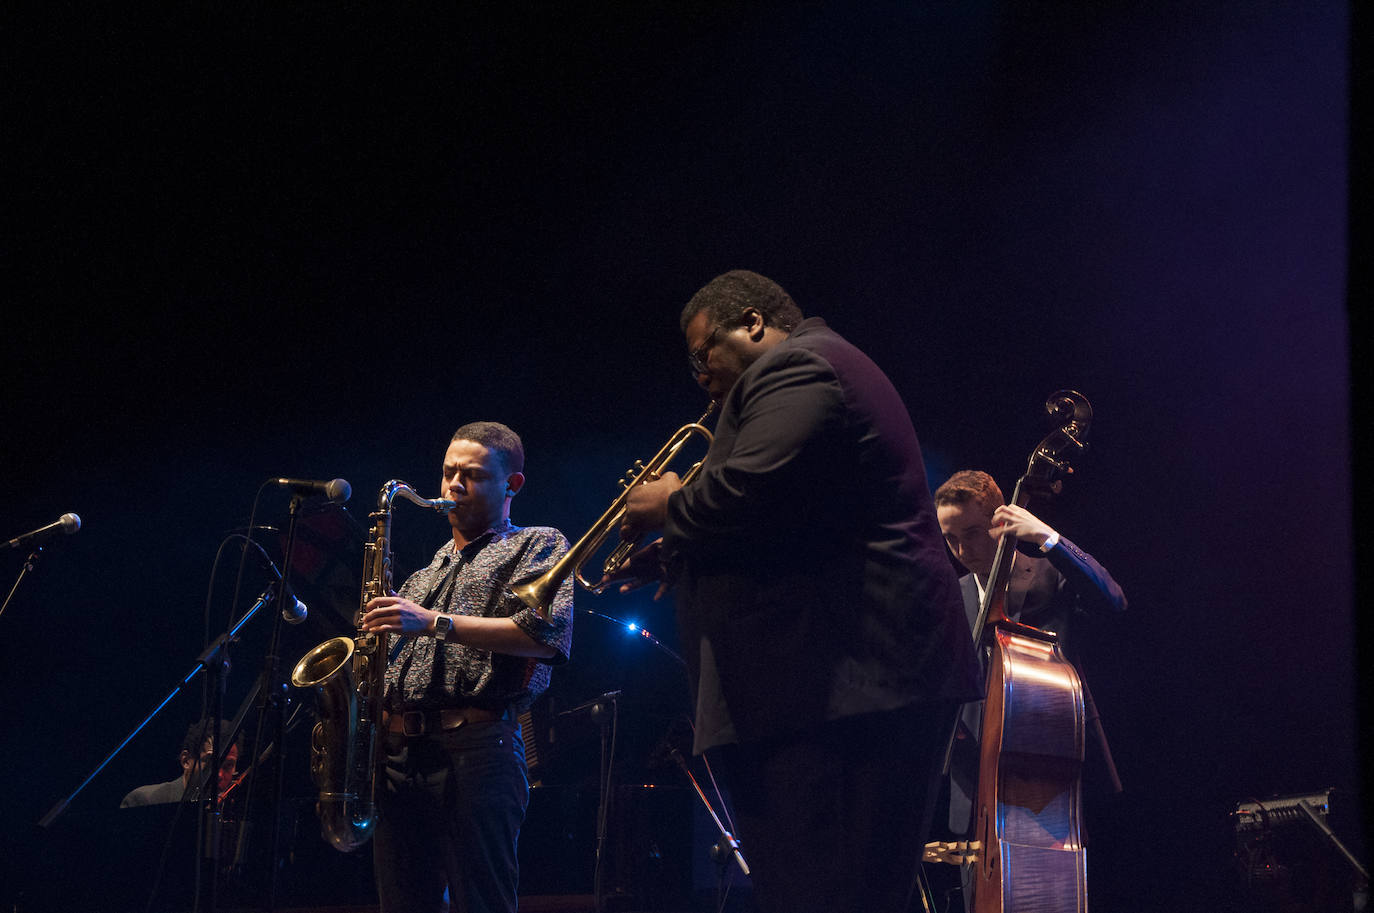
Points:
[(335, 490), (293, 611), (67, 523), (596, 705)]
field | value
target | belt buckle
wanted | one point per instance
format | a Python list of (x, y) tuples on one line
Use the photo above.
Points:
[(413, 723)]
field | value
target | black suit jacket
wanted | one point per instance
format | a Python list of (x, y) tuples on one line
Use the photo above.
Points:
[(807, 552)]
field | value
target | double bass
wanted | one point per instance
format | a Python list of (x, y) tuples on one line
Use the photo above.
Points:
[(1030, 856)]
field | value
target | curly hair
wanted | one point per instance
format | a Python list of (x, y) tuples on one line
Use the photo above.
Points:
[(726, 297)]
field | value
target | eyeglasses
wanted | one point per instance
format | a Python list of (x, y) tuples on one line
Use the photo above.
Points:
[(696, 359)]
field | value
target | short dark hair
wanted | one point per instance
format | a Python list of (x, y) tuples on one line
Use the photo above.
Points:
[(199, 731), (726, 297), (970, 486), (498, 438)]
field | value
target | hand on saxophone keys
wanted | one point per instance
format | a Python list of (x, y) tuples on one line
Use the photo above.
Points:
[(397, 615)]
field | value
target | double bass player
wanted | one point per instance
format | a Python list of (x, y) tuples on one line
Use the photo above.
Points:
[(1053, 584)]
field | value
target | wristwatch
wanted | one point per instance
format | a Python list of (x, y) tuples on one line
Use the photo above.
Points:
[(442, 625)]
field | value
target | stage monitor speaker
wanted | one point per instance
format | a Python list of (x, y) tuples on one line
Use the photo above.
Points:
[(1290, 858)]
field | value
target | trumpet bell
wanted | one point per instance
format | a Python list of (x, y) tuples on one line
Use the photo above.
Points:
[(538, 592)]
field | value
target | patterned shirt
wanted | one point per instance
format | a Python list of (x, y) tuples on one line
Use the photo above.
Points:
[(425, 674)]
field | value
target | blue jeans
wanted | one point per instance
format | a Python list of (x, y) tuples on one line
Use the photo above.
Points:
[(450, 808)]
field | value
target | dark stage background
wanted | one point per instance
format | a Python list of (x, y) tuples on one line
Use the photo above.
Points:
[(311, 240)]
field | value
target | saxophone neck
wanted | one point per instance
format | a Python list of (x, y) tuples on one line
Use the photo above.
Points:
[(396, 487)]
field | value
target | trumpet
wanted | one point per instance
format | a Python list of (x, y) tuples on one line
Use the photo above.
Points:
[(538, 592)]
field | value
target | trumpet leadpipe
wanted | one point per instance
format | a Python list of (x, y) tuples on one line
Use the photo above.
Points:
[(538, 592)]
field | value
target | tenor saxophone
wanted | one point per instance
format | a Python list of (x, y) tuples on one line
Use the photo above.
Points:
[(348, 676)]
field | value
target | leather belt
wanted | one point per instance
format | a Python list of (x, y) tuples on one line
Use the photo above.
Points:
[(423, 722)]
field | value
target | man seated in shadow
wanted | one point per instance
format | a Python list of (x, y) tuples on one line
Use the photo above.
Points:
[(196, 756)]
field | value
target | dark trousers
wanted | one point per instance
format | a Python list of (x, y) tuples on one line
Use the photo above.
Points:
[(450, 809), (834, 818)]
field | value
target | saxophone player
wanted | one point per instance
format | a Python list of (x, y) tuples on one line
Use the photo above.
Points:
[(452, 791)]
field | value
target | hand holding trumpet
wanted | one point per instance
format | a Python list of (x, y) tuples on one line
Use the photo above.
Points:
[(646, 506), (640, 569), (642, 506)]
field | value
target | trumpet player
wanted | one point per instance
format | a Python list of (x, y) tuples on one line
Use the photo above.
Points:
[(453, 792), (821, 619)]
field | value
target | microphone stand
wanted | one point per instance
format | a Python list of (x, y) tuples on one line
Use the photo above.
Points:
[(598, 713), (728, 842), (725, 849), (210, 654), (27, 568), (1311, 815), (208, 822), (275, 689)]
